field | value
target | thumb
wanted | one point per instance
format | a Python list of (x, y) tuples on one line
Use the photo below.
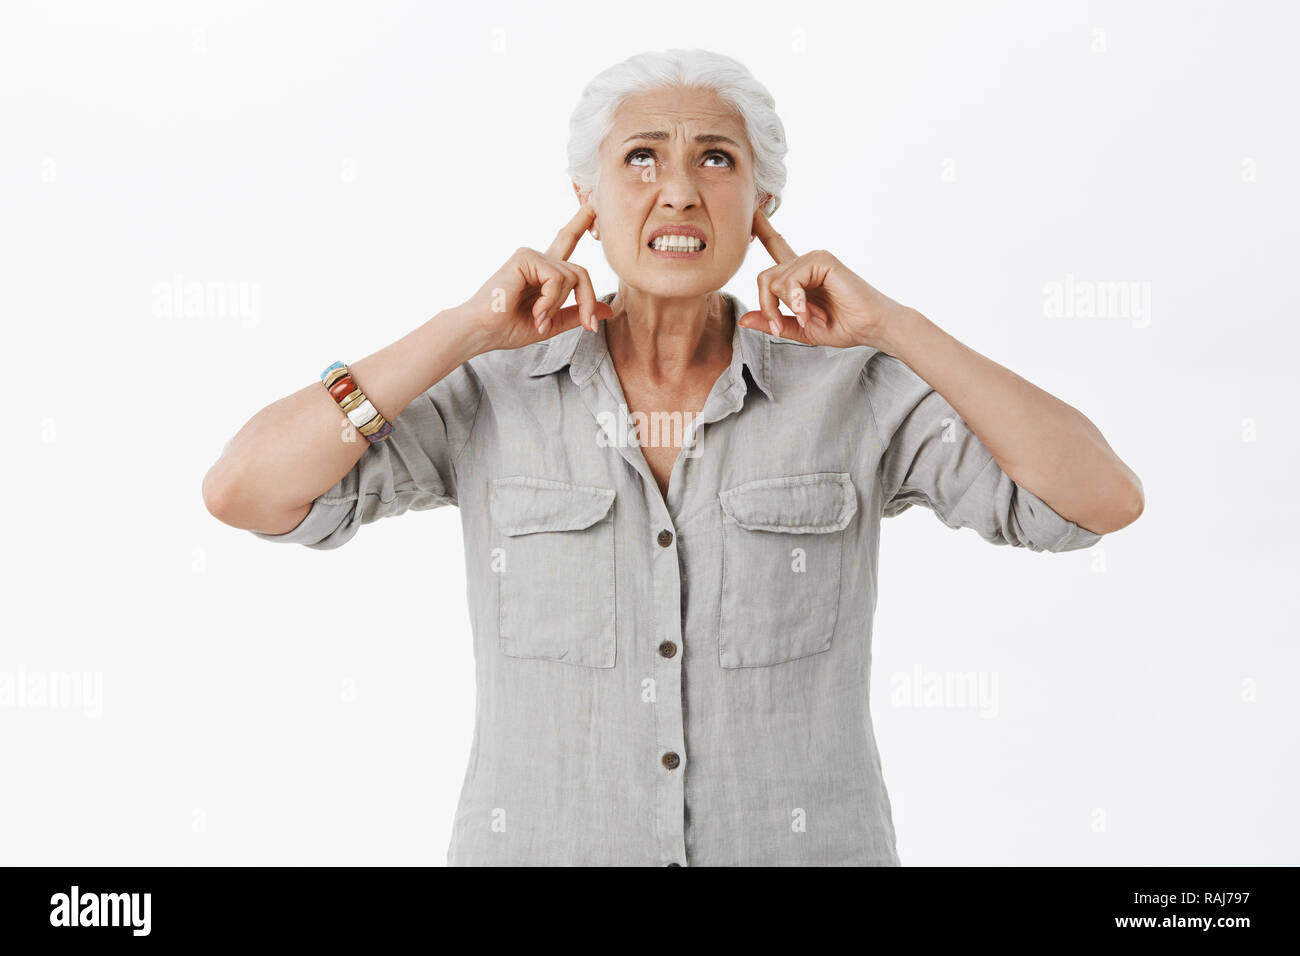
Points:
[(787, 328), (571, 316)]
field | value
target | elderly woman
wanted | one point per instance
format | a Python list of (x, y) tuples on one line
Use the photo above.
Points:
[(673, 634)]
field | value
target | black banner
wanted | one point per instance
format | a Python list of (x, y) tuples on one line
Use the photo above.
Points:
[(131, 906)]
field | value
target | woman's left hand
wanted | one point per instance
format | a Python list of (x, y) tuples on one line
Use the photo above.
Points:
[(831, 304)]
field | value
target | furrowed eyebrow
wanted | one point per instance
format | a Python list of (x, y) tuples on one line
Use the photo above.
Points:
[(703, 138)]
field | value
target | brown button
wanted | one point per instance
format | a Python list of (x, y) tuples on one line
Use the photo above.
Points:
[(665, 537), (671, 760), (667, 649)]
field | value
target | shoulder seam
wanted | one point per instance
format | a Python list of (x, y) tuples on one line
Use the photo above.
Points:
[(875, 424), (473, 422)]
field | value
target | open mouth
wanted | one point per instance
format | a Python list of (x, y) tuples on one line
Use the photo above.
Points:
[(677, 245)]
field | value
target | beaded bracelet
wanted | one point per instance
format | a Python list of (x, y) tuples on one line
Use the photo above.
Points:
[(344, 390)]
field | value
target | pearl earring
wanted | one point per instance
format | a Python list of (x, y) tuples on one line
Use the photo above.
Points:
[(595, 233)]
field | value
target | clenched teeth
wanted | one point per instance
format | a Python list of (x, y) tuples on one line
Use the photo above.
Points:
[(677, 244)]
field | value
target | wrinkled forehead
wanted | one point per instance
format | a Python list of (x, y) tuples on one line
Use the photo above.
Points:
[(668, 115)]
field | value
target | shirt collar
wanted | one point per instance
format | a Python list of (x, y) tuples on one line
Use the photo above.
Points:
[(583, 351)]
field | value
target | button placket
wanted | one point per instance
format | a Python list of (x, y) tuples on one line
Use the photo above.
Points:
[(603, 395), (669, 728)]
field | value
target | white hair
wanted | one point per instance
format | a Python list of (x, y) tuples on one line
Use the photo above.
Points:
[(593, 117)]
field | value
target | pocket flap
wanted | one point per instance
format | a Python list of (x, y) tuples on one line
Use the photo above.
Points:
[(521, 504), (798, 504)]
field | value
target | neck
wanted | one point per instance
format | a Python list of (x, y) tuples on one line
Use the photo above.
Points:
[(663, 339)]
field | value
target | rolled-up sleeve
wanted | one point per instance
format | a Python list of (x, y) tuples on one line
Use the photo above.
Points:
[(930, 457), (414, 469)]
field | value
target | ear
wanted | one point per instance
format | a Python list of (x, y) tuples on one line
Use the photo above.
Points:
[(763, 200), (584, 195)]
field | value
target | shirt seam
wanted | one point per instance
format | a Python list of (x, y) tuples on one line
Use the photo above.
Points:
[(956, 508), (1068, 531), (470, 434), (875, 425), (374, 494), (879, 436)]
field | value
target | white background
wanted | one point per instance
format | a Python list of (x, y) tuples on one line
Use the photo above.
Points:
[(361, 167)]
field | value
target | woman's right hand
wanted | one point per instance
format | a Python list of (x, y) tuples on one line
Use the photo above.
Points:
[(521, 304)]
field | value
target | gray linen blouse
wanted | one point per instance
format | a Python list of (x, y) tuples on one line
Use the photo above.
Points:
[(680, 681)]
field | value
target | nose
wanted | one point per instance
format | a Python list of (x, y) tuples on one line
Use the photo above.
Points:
[(677, 187)]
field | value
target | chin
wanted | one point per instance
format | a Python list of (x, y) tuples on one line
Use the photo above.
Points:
[(674, 279), (674, 287)]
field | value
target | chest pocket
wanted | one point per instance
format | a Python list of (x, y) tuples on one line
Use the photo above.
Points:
[(554, 558), (782, 542)]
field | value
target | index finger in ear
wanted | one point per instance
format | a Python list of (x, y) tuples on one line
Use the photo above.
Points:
[(566, 240), (771, 239)]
